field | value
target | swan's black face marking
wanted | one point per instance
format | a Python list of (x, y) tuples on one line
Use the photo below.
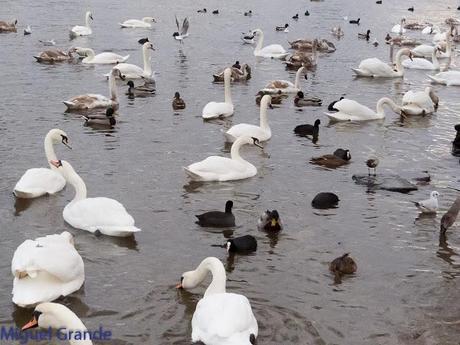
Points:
[(130, 83), (65, 141), (91, 16), (252, 339), (306, 77), (256, 142), (109, 112), (143, 40)]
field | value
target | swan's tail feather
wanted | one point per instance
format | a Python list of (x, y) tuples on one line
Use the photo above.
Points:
[(228, 137), (118, 230), (435, 79), (192, 175), (125, 58), (358, 72), (69, 104)]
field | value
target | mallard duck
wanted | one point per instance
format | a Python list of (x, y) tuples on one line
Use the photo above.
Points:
[(148, 89), (304, 130), (217, 219), (238, 74), (108, 119), (276, 98), (282, 28), (52, 56), (365, 36), (270, 221), (8, 27), (342, 265), (301, 101), (337, 159), (178, 103)]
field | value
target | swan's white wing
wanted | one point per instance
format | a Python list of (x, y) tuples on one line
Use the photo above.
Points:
[(217, 168), (45, 269), (376, 67), (352, 107), (418, 98), (424, 50), (106, 215), (273, 49), (448, 78), (39, 181), (418, 63), (224, 318), (214, 110), (130, 71), (244, 129), (109, 58), (81, 30)]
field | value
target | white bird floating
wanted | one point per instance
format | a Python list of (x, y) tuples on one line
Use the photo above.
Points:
[(102, 58), (261, 132), (420, 102), (399, 28), (145, 23), (430, 205), (216, 168), (420, 63), (214, 110), (285, 86), (350, 110), (103, 215), (57, 316), (220, 317), (41, 181), (45, 269), (92, 101), (182, 31), (449, 78), (130, 71), (79, 30), (374, 67), (274, 51)]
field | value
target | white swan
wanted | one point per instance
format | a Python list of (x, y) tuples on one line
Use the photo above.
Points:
[(420, 63), (420, 102), (399, 28), (104, 215), (213, 110), (102, 58), (220, 317), (349, 110), (145, 23), (57, 316), (374, 67), (261, 132), (449, 78), (426, 50), (430, 30), (284, 86), (92, 101), (79, 30), (45, 269), (216, 168), (130, 71), (442, 36), (274, 51), (40, 181)]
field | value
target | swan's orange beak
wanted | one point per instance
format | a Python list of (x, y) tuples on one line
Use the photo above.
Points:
[(31, 324), (179, 286), (57, 164)]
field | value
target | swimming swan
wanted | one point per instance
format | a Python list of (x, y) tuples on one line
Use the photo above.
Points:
[(261, 132), (102, 58), (213, 110), (216, 168), (374, 67), (40, 181), (349, 110), (274, 51), (145, 23), (449, 78), (220, 317), (79, 30), (92, 101), (420, 63), (45, 269), (103, 215), (130, 71), (420, 102)]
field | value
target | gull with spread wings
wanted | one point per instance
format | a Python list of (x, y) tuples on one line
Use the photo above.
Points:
[(182, 32)]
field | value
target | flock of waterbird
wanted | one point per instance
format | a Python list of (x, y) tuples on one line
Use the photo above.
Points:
[(49, 267)]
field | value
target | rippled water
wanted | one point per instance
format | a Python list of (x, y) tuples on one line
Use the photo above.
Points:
[(407, 284)]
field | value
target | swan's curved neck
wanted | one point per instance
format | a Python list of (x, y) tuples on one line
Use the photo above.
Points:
[(235, 150), (88, 52), (399, 66), (227, 92), (401, 26), (77, 182), (263, 116), (260, 41), (87, 20), (297, 78), (71, 323), (217, 270), (113, 86), (382, 102), (147, 65), (49, 150), (434, 59)]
